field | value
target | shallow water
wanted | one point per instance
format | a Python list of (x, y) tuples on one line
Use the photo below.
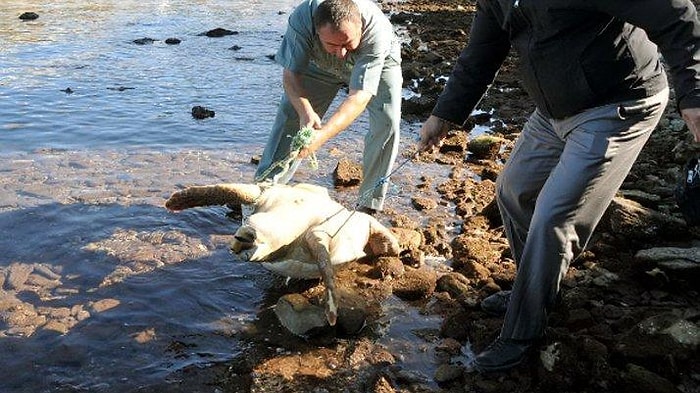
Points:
[(102, 288), (128, 95)]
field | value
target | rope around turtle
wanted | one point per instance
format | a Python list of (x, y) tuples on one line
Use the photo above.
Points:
[(365, 195)]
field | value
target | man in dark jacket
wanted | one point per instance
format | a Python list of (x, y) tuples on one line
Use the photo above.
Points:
[(593, 70)]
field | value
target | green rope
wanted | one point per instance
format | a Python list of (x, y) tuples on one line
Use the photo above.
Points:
[(302, 139)]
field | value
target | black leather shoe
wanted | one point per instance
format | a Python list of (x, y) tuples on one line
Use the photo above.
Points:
[(496, 304), (502, 354), (367, 210)]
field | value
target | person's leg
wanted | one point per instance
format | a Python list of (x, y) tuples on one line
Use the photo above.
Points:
[(601, 146), (535, 155), (322, 89), (382, 140)]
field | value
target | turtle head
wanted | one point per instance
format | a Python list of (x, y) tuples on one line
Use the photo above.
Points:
[(249, 246)]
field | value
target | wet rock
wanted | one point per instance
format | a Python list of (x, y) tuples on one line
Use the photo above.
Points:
[(219, 32), (421, 203), (143, 41), (455, 326), (29, 16), (298, 315), (644, 198), (235, 48), (173, 41), (448, 347), (660, 343), (17, 275), (416, 284), (347, 173), (579, 319), (455, 284), (448, 372), (409, 239), (629, 221), (351, 320), (456, 141), (467, 247), (388, 268), (200, 112), (637, 379), (20, 319), (411, 71), (485, 147), (120, 88), (671, 258), (418, 105), (103, 305)]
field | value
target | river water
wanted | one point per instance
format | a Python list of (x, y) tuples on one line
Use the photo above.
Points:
[(101, 288)]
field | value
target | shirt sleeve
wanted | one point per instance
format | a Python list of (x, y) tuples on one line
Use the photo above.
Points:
[(294, 51), (372, 56)]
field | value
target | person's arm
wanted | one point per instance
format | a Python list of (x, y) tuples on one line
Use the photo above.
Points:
[(475, 70), (347, 112), (433, 131), (297, 96)]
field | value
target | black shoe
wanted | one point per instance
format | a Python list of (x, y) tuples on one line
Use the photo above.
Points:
[(502, 354), (367, 210), (496, 304)]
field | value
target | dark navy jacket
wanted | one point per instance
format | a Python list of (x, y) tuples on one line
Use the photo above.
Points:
[(578, 54)]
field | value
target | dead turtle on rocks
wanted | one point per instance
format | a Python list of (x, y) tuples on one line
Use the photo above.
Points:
[(296, 231)]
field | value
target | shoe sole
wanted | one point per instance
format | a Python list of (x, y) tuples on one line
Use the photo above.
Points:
[(503, 367)]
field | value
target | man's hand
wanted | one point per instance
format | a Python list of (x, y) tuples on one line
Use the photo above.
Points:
[(691, 116), (347, 112), (432, 132), (318, 140), (310, 119)]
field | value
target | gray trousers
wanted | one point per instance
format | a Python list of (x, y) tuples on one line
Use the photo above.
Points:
[(381, 143), (555, 187)]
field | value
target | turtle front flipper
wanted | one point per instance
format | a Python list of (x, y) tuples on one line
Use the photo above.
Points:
[(318, 242), (218, 194)]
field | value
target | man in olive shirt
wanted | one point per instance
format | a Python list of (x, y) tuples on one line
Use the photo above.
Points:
[(327, 45)]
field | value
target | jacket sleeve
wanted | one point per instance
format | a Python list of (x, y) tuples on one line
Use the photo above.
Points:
[(475, 69), (674, 27)]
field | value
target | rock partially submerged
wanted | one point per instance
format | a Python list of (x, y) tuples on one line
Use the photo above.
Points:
[(29, 16), (218, 32)]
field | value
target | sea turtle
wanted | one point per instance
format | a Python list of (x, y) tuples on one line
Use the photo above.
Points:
[(296, 230)]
